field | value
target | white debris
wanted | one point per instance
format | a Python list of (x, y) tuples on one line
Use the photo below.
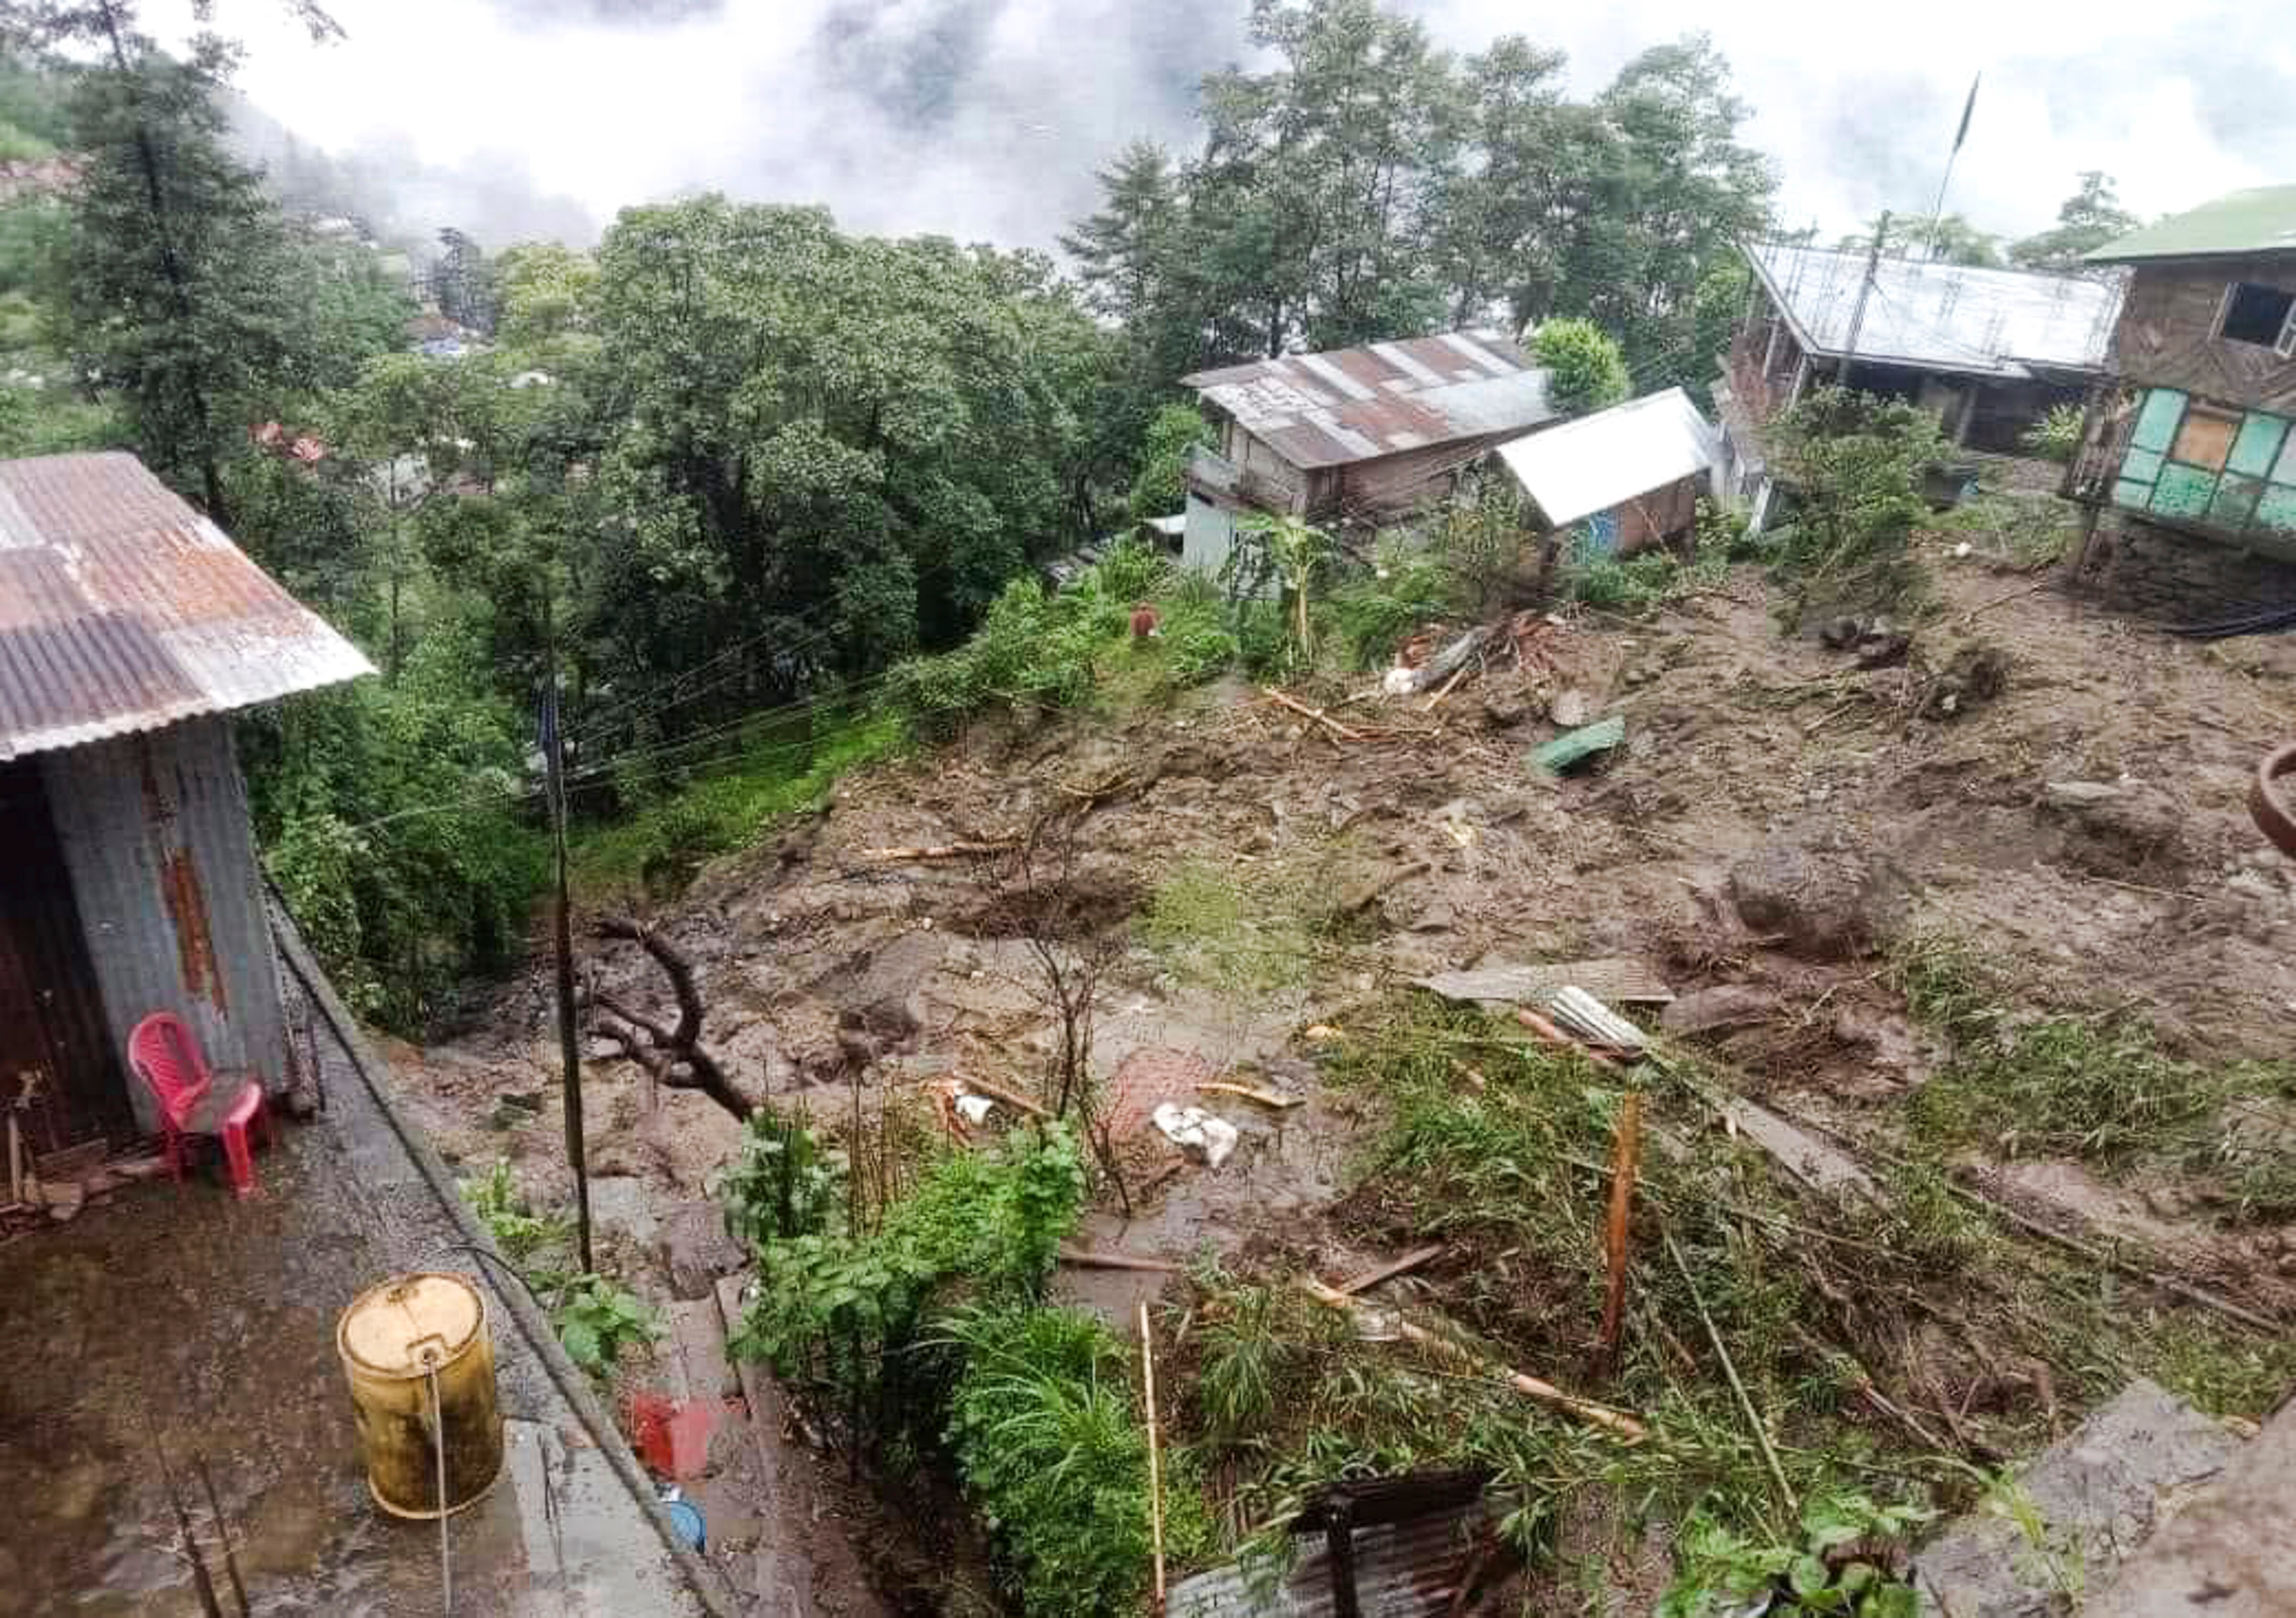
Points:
[(1193, 1129), (975, 1109)]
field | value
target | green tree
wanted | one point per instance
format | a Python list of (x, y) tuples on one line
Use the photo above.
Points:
[(167, 285), (545, 290), (1950, 238), (1854, 463), (1585, 370), (1161, 483), (1123, 250), (2086, 221)]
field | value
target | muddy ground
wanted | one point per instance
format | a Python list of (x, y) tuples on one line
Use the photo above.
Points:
[(1776, 819)]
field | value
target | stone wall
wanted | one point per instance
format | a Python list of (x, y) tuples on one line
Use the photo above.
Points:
[(2175, 578)]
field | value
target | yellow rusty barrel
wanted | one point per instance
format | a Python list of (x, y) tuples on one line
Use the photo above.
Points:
[(394, 1338)]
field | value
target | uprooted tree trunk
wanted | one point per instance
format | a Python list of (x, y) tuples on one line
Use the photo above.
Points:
[(674, 1056)]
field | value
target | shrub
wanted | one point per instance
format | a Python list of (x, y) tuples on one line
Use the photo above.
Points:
[(1855, 464), (1174, 430), (598, 1320), (1375, 611), (1585, 369), (845, 1310), (1047, 1437), (2055, 436)]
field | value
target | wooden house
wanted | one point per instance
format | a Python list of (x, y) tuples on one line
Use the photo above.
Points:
[(1623, 479), (131, 630), (2190, 432), (1989, 352), (1368, 433)]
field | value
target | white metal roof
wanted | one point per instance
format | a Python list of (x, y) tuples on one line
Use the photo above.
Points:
[(1941, 316), (1604, 460)]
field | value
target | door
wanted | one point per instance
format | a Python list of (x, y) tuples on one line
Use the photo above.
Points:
[(58, 1071)]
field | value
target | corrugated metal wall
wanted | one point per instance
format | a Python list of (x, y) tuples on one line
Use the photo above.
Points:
[(162, 858)]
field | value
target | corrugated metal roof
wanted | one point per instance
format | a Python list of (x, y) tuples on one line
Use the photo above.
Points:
[(121, 608), (1348, 405), (2261, 219), (1941, 316), (1403, 1570), (1598, 462)]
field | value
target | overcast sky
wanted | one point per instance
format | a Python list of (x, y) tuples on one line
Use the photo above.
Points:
[(984, 119)]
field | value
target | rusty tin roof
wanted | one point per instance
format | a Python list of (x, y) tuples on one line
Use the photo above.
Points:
[(1348, 405), (121, 609)]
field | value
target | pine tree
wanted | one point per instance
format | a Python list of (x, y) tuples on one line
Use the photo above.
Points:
[(171, 285)]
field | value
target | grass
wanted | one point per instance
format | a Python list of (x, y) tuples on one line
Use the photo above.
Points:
[(2027, 531), (1236, 933), (2095, 1085), (1499, 1148), (658, 848)]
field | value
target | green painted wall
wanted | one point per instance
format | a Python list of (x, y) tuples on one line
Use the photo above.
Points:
[(2252, 493)]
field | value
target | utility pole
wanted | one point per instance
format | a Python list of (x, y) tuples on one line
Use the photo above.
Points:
[(1865, 291), (552, 737)]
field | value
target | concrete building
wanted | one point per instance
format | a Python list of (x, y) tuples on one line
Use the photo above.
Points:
[(131, 629)]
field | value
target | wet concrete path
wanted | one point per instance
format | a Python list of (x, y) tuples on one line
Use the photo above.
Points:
[(211, 1323)]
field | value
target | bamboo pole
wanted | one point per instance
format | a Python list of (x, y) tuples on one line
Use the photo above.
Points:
[(1616, 1422), (1318, 714), (1155, 1461), (1626, 1159)]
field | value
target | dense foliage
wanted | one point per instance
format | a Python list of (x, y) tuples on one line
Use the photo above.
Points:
[(1856, 463), (1368, 184), (1586, 371)]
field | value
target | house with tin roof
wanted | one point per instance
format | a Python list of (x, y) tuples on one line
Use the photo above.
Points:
[(1990, 351), (2192, 435), (131, 630), (1365, 434)]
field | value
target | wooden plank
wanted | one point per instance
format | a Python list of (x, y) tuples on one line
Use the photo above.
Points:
[(1614, 980), (1377, 1273)]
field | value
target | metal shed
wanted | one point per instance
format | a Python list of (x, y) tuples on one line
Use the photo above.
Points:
[(130, 629)]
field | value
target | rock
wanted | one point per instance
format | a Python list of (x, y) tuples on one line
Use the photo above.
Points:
[(618, 1202), (1837, 632), (1729, 1005), (1971, 677), (1572, 708), (1504, 710), (695, 1249), (2098, 1495), (1826, 896), (2121, 829), (1883, 648), (64, 1200)]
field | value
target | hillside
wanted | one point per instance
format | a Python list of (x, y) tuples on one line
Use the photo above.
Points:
[(2021, 965)]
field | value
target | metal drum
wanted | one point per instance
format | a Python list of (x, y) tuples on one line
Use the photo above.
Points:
[(403, 1343)]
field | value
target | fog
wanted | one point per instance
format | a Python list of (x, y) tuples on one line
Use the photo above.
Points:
[(984, 119)]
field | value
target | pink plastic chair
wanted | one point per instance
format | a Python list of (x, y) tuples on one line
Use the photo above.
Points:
[(166, 1058)]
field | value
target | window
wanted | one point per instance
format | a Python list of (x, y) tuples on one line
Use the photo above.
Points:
[(2260, 314), (2206, 436)]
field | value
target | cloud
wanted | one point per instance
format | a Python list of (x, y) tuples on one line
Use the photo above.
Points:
[(984, 119)]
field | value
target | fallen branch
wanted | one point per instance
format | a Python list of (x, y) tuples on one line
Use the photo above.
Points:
[(1351, 903), (1450, 686), (2047, 580), (1318, 714), (940, 850), (1097, 1258), (1730, 1370), (1616, 1422), (1388, 1272), (1265, 1097), (2107, 1256), (673, 1057), (1011, 1097)]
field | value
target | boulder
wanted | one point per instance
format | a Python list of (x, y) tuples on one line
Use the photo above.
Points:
[(1825, 897)]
